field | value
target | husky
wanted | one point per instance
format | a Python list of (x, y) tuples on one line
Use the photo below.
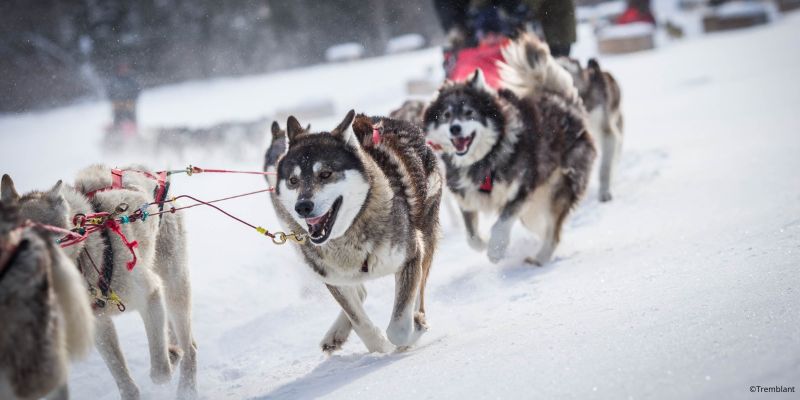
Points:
[(601, 97), (47, 320), (521, 152), (157, 287), (411, 111), (277, 147), (366, 195)]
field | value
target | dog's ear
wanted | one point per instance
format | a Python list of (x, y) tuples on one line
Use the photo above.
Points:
[(478, 81), (293, 128), (276, 129), (308, 127), (344, 131), (55, 192), (7, 190)]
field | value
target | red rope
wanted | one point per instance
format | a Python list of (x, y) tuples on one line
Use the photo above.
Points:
[(209, 203)]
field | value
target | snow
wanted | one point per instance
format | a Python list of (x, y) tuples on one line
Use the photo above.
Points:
[(402, 43), (684, 286), (740, 9), (604, 10), (344, 52), (632, 30)]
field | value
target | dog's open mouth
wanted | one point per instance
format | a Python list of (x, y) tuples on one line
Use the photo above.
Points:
[(462, 143), (319, 228)]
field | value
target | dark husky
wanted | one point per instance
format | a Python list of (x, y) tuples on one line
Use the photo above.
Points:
[(46, 317), (367, 197), (602, 97), (522, 152)]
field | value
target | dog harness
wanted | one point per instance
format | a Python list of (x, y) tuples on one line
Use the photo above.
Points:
[(159, 192), (486, 186)]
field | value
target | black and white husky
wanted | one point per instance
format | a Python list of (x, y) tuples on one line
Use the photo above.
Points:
[(522, 152), (367, 196), (601, 96)]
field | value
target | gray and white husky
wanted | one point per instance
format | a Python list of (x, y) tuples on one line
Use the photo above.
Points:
[(601, 97), (158, 287), (521, 152), (367, 196), (46, 317)]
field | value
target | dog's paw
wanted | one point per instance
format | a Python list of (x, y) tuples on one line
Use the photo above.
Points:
[(129, 393), (175, 354), (534, 261), (419, 321), (605, 197), (497, 250), (161, 374), (477, 243), (332, 344)]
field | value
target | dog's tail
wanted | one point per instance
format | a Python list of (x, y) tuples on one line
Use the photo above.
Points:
[(71, 296), (528, 68)]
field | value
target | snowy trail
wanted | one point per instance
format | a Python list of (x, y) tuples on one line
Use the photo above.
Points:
[(684, 286)]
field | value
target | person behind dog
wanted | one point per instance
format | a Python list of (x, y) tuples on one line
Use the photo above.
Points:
[(123, 91), (468, 22)]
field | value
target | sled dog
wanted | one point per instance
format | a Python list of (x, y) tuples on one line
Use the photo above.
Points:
[(601, 97), (47, 320), (157, 287), (521, 152), (366, 195)]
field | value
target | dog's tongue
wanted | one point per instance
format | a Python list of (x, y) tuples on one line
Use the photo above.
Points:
[(316, 225), (316, 220), (461, 143)]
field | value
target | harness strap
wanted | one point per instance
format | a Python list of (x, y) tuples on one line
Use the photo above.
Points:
[(487, 184)]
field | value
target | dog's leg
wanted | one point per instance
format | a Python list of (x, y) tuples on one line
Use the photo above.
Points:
[(174, 272), (427, 260), (61, 393), (340, 330), (501, 230), (108, 346), (609, 141), (474, 238), (155, 325), (349, 299), (401, 330)]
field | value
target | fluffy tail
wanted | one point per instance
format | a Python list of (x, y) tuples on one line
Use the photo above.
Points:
[(72, 297), (528, 68)]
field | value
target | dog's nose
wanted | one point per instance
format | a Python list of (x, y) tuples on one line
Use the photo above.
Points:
[(304, 207), (455, 129)]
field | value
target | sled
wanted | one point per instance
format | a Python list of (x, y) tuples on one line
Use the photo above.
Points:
[(735, 15), (627, 38), (788, 5)]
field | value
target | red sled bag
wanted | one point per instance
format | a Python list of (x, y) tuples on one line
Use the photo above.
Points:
[(485, 57)]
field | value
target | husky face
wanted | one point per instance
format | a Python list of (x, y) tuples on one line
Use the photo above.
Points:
[(575, 70), (48, 207), (464, 120), (321, 180)]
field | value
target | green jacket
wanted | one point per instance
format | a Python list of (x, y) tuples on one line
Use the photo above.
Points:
[(557, 18)]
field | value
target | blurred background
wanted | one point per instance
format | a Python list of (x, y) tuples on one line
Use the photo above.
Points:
[(57, 51)]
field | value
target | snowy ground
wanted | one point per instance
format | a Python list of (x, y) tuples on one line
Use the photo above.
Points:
[(685, 286)]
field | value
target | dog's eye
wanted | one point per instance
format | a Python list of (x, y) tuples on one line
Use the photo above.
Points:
[(469, 113), (446, 115), (293, 180), (325, 174)]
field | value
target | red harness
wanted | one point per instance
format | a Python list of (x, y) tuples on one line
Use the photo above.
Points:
[(160, 177), (486, 186)]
